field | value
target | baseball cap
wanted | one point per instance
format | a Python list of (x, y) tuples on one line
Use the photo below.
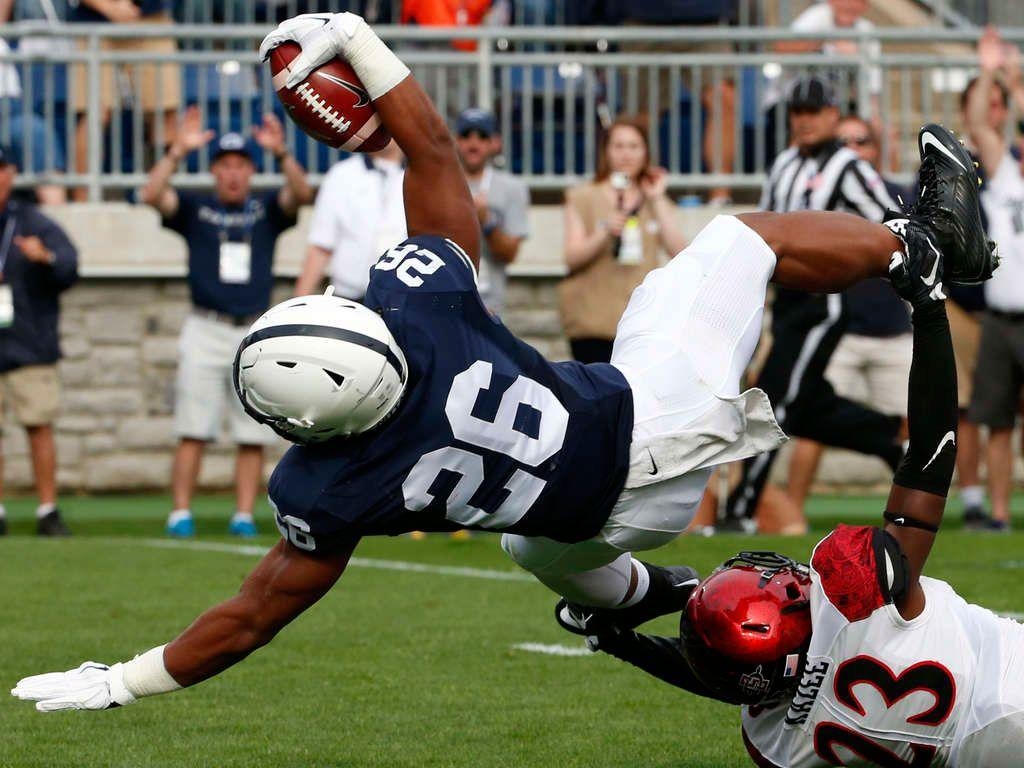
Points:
[(811, 93), (475, 119), (232, 143)]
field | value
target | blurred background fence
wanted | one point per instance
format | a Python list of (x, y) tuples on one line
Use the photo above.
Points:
[(551, 87)]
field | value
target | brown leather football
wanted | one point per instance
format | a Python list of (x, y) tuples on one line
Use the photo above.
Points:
[(330, 105)]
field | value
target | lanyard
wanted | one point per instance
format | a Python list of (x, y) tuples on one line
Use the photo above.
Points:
[(8, 238), (248, 222)]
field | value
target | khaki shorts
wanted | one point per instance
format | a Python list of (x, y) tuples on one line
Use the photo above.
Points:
[(966, 332), (155, 85), (34, 392), (204, 394)]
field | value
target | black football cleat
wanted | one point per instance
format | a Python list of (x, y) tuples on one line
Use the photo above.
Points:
[(52, 525), (949, 206), (3, 526), (669, 589)]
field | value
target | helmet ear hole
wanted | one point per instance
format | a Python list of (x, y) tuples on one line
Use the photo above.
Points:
[(337, 378), (286, 364)]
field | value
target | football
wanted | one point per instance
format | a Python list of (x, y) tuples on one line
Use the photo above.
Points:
[(330, 105)]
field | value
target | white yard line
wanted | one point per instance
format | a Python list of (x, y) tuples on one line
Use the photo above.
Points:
[(357, 562), (554, 650)]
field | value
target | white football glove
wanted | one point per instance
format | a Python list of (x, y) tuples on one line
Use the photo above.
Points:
[(90, 686), (322, 37)]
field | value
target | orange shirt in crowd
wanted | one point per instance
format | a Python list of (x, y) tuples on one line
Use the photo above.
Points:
[(446, 13)]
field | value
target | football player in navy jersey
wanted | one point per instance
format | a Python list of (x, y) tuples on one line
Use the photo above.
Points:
[(420, 411), (856, 658)]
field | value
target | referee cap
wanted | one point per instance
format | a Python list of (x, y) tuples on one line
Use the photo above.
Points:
[(811, 94)]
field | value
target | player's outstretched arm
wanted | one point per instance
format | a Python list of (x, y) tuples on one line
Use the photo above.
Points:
[(286, 582), (437, 199), (918, 497)]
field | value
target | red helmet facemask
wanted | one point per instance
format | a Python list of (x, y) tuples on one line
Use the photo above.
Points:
[(747, 626)]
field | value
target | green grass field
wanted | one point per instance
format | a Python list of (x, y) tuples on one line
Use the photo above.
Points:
[(392, 668)]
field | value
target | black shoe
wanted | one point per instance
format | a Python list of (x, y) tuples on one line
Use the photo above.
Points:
[(949, 206), (975, 519), (742, 525), (52, 525), (3, 526), (668, 592)]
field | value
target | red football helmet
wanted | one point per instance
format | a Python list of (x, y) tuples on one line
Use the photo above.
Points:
[(747, 626)]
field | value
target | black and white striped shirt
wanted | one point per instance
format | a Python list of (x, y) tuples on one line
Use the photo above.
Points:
[(833, 179)]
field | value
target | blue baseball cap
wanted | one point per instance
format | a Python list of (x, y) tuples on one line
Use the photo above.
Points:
[(232, 144), (474, 119)]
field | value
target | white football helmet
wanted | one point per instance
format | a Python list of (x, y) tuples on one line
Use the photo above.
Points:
[(318, 367)]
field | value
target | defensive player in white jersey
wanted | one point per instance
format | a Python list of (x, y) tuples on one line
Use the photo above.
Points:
[(857, 659), (420, 411)]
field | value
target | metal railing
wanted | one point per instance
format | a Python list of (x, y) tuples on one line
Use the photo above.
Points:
[(549, 87)]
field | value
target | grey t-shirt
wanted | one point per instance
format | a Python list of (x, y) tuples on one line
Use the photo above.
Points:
[(509, 201)]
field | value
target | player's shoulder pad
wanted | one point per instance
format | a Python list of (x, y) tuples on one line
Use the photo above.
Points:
[(425, 262), (860, 569)]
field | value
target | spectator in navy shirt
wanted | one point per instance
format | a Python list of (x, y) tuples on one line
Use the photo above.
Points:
[(230, 236), (37, 263)]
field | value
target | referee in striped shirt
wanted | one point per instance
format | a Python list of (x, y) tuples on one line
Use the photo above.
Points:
[(816, 173)]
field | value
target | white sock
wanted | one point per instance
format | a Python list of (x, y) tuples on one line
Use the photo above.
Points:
[(240, 516), (643, 583), (972, 495), (178, 515), (44, 509), (3, 511)]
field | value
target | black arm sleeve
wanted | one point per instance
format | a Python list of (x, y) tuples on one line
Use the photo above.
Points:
[(931, 405), (661, 657)]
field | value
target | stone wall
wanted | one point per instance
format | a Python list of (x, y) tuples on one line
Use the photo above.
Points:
[(119, 329)]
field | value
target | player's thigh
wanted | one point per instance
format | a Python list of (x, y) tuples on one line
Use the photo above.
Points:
[(994, 401), (550, 559), (691, 327), (653, 515), (888, 372), (200, 382), (998, 745), (35, 394)]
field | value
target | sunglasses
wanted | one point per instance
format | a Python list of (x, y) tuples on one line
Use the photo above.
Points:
[(859, 141), (474, 132)]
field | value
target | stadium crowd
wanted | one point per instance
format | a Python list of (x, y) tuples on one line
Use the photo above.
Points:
[(838, 366)]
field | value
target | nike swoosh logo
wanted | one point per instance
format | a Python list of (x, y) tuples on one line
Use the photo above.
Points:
[(899, 520), (928, 140), (930, 279), (949, 437), (364, 97), (654, 466)]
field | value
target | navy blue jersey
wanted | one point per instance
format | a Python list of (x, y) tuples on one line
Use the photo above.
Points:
[(489, 434)]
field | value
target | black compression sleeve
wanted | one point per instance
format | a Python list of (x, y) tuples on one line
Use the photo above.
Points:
[(931, 405), (661, 657)]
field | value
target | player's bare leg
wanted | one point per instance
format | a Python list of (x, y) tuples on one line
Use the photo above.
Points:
[(824, 252)]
